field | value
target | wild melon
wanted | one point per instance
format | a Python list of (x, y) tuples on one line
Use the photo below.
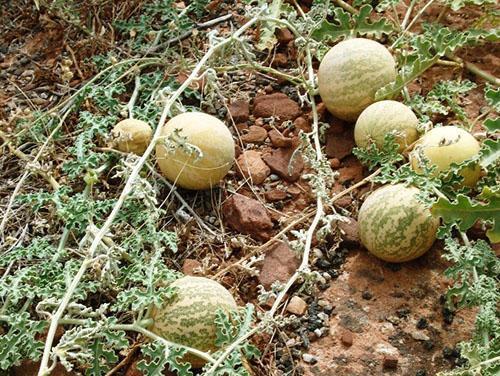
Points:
[(196, 150), (443, 146), (351, 73), (394, 226), (189, 318), (131, 136), (386, 117)]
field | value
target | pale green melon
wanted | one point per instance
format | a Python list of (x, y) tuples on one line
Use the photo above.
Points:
[(443, 146), (201, 132), (386, 117), (394, 226), (189, 319), (351, 73)]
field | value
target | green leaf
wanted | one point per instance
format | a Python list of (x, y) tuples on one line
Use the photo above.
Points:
[(459, 4), (346, 25), (465, 212), (267, 39), (158, 356), (490, 153)]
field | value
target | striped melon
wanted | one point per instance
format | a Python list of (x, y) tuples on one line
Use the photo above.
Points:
[(384, 117), (443, 146), (188, 319), (394, 226), (201, 132), (351, 73)]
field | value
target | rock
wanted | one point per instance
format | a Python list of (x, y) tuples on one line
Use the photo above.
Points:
[(278, 140), (30, 368), (297, 306), (275, 195), (352, 171), (280, 60), (302, 124), (390, 362), (277, 105), (190, 266), (334, 163), (419, 336), (349, 230), (255, 135), (279, 160), (247, 216), (284, 35), (239, 110), (279, 264), (250, 165), (339, 145), (346, 338), (308, 358)]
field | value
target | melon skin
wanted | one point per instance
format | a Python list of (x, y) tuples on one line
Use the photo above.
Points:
[(351, 73), (443, 146), (385, 117), (132, 136), (189, 318), (205, 132), (394, 226)]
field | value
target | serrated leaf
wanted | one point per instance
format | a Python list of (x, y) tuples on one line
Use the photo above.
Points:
[(267, 39), (347, 25), (492, 125), (490, 153), (465, 212), (492, 96), (158, 356), (459, 4)]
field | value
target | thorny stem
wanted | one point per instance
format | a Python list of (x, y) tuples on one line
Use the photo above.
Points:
[(125, 192)]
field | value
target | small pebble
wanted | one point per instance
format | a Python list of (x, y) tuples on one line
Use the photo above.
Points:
[(318, 332), (297, 306), (419, 336), (367, 295), (308, 358), (422, 323), (346, 338), (390, 362), (274, 177)]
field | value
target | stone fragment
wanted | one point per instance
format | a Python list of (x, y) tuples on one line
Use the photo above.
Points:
[(390, 362), (280, 60), (279, 264), (255, 135), (308, 358), (247, 216), (352, 170), (284, 35), (302, 124), (278, 140), (297, 306), (279, 162), (349, 230), (191, 267), (277, 105), (239, 111), (339, 145), (275, 195), (250, 165), (347, 338)]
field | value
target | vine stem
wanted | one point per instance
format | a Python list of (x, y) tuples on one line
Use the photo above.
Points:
[(133, 98), (124, 194)]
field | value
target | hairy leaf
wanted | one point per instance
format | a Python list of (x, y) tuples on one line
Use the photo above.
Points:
[(347, 25), (465, 212)]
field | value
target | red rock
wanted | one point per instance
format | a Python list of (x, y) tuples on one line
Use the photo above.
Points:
[(390, 362), (247, 216), (278, 140), (321, 110), (284, 35), (350, 231), (250, 165), (275, 195), (241, 127), (347, 338), (190, 266), (279, 265), (255, 135), (339, 145), (294, 191), (334, 163), (239, 110), (277, 105), (280, 60), (279, 162), (352, 170), (30, 368), (302, 124)]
